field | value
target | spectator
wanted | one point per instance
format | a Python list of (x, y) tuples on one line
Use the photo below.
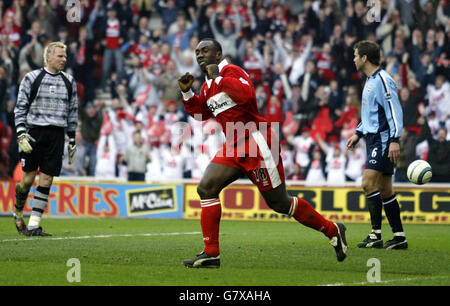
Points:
[(324, 63), (172, 116), (173, 163), (42, 12), (63, 36), (262, 93), (184, 62), (274, 110), (168, 84), (91, 122), (182, 36), (299, 59), (11, 30), (154, 168), (279, 86), (9, 61), (142, 28), (254, 63), (82, 53), (190, 52), (60, 13), (169, 11), (387, 29), (96, 20), (227, 36), (438, 153), (439, 98), (287, 154), (163, 58), (143, 86), (204, 14), (423, 64), (348, 118), (112, 39), (425, 15), (302, 144), (31, 56), (106, 157), (260, 22), (142, 48), (14, 11), (309, 83), (278, 21), (136, 156), (296, 174), (335, 162), (410, 105), (336, 97), (124, 13), (315, 172)]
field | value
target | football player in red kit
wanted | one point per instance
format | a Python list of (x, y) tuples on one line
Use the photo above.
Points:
[(251, 147)]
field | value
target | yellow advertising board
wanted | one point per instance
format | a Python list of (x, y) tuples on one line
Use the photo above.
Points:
[(348, 204)]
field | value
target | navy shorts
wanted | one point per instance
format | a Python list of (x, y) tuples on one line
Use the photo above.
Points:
[(377, 147)]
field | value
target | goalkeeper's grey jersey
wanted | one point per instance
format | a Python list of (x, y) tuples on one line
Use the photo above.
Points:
[(51, 106)]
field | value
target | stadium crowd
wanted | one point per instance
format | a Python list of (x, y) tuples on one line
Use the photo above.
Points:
[(126, 56)]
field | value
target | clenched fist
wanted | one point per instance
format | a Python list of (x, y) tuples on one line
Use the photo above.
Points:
[(185, 82), (212, 71)]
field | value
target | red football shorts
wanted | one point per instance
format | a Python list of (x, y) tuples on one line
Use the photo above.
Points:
[(258, 156)]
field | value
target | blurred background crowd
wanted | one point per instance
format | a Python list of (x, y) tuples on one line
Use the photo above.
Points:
[(126, 57)]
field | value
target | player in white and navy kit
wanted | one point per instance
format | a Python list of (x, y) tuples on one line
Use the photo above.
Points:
[(381, 126)]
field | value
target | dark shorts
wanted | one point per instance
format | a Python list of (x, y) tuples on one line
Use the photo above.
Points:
[(377, 147), (47, 151)]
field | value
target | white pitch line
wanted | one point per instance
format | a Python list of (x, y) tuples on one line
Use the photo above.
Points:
[(388, 281), (99, 236)]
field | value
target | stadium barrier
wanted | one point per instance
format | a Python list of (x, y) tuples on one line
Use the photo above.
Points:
[(428, 205), (87, 197)]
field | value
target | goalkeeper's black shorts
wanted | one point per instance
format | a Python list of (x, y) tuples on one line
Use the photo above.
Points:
[(48, 150)]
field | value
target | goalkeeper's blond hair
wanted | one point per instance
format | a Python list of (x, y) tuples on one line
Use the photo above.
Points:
[(50, 49)]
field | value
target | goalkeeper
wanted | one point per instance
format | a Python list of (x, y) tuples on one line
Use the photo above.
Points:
[(46, 110)]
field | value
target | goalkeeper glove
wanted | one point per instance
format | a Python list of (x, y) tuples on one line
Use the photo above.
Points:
[(72, 150), (24, 139)]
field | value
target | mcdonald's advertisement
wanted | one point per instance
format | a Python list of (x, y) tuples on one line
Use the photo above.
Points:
[(85, 199), (347, 204)]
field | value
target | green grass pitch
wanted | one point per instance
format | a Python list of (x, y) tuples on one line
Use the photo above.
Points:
[(150, 252)]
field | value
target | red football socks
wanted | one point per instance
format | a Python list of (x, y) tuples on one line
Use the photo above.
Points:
[(304, 213), (210, 222)]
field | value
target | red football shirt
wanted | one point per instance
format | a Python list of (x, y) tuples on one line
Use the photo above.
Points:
[(230, 98), (250, 144)]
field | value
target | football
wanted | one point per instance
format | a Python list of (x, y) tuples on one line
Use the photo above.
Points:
[(419, 172)]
